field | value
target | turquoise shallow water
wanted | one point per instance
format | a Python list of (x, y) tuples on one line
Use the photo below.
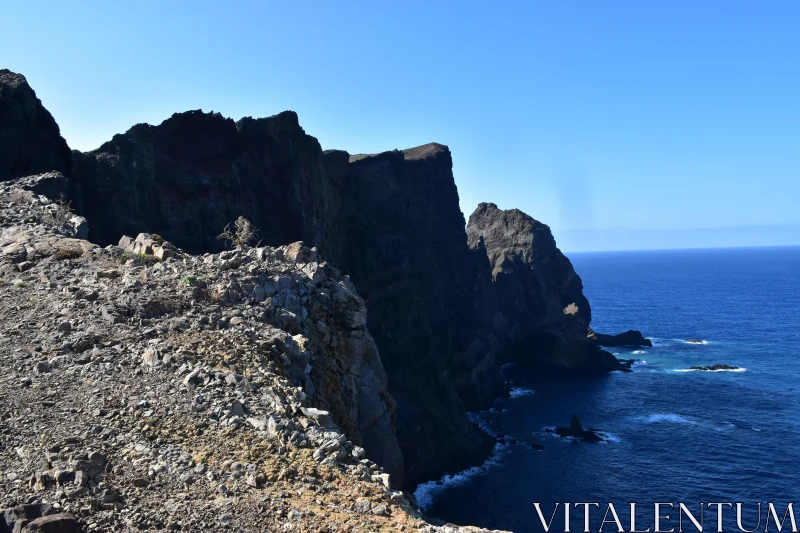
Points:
[(672, 435)]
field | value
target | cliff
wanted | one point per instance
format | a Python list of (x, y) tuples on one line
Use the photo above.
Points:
[(442, 307), (399, 232), (30, 141), (391, 221), (542, 313), (138, 389)]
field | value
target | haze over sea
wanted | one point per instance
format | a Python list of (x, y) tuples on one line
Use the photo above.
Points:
[(673, 435)]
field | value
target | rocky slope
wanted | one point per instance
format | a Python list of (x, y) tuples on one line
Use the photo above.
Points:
[(443, 309), (391, 221), (144, 394)]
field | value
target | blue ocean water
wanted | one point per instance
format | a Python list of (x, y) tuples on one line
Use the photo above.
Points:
[(673, 435)]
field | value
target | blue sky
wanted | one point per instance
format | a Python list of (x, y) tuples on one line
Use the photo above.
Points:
[(622, 124)]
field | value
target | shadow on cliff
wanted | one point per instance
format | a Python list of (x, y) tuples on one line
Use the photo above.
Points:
[(445, 305)]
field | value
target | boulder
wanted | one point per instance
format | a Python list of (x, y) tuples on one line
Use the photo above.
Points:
[(57, 523)]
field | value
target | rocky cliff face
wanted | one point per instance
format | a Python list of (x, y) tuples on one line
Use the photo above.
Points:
[(136, 390), (400, 234), (30, 141), (196, 172), (391, 221), (542, 313), (442, 305)]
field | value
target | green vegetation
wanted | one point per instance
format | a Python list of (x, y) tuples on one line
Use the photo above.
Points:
[(156, 238), (149, 260), (191, 281), (2, 281), (20, 284)]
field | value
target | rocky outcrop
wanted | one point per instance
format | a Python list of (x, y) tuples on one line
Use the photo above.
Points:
[(30, 140), (631, 337), (195, 173), (716, 367), (391, 221), (136, 390), (542, 315), (441, 308), (399, 233)]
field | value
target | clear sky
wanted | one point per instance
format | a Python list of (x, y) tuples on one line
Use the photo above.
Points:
[(622, 124)]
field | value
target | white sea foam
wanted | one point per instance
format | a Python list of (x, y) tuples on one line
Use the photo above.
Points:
[(665, 417), (476, 419), (426, 492), (639, 352), (720, 370), (608, 437), (698, 342), (516, 392)]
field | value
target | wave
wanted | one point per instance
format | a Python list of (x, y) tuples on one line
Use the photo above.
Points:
[(694, 341), (638, 352), (476, 419), (740, 369), (426, 492), (724, 427), (608, 437), (658, 418), (605, 436), (516, 392)]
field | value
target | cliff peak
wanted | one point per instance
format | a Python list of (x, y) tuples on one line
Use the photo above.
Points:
[(424, 151), (30, 140)]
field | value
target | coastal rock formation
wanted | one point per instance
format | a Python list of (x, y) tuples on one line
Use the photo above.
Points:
[(30, 140), (138, 390), (576, 431), (193, 174), (541, 309), (631, 337), (390, 220), (400, 235), (716, 367), (440, 308)]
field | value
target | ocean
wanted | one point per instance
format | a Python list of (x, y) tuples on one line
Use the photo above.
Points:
[(672, 435)]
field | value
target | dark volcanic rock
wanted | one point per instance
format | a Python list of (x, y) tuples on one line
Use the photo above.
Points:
[(541, 309), (575, 430), (714, 367), (442, 304), (196, 172), (400, 235), (391, 221), (30, 141), (631, 337)]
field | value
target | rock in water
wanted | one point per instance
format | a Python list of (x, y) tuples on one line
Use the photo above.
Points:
[(631, 337), (30, 140), (575, 430), (714, 367)]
